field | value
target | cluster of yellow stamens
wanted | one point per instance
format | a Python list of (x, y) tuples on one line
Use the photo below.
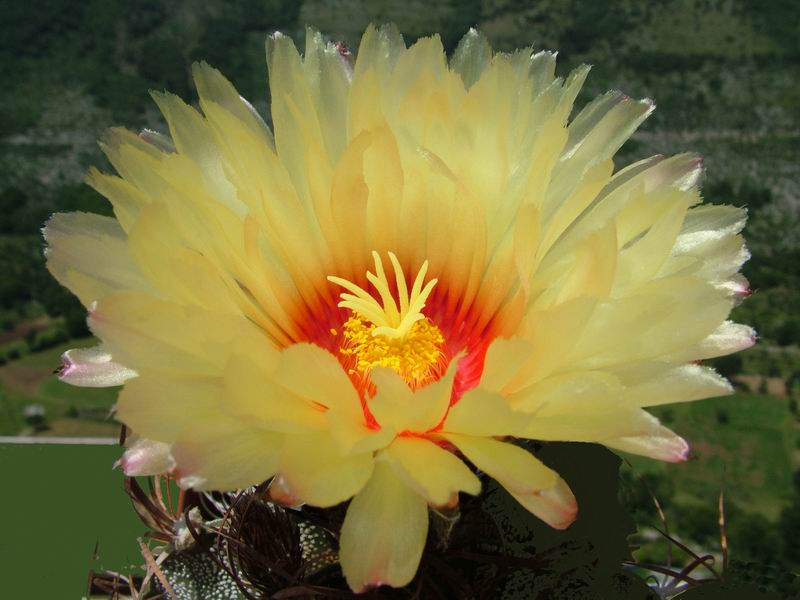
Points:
[(412, 359), (383, 334)]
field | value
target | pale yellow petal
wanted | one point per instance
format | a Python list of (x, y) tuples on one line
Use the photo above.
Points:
[(594, 270), (348, 205), (430, 470), (568, 392), (562, 327), (680, 384), (653, 175), (253, 394), (710, 240), (328, 74), (142, 331), (185, 274), (316, 376), (212, 86), (641, 260), (661, 444), (728, 338), (92, 367), (556, 505), (126, 199), (471, 57), (583, 421), (663, 316), (316, 472), (224, 454), (88, 254), (538, 488), (136, 160), (384, 532), (379, 49), (294, 116), (584, 165), (194, 139), (161, 405), (146, 457), (483, 413), (514, 468), (395, 405)]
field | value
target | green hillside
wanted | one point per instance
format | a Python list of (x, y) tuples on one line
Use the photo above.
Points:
[(67, 410), (746, 441)]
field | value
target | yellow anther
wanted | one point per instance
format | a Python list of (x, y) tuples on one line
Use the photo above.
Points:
[(391, 333), (414, 359)]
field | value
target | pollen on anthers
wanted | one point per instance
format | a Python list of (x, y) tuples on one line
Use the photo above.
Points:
[(391, 333)]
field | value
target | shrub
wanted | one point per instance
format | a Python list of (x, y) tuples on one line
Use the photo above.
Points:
[(48, 339), (753, 537), (698, 522), (727, 366)]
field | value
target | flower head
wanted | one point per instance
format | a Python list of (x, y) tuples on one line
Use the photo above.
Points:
[(427, 260)]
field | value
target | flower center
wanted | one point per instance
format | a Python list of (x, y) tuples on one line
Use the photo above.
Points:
[(389, 333)]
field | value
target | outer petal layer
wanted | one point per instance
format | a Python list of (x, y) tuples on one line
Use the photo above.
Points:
[(315, 472), (556, 506), (535, 486), (146, 457), (662, 444), (224, 454), (87, 253), (516, 469), (432, 471), (383, 533), (92, 367)]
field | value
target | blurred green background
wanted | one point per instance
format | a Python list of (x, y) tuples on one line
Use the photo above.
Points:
[(64, 513), (723, 72)]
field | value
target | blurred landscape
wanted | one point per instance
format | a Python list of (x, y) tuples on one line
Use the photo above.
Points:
[(723, 72)]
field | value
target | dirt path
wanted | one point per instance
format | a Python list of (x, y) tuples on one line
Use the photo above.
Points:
[(23, 379), (776, 386), (19, 332)]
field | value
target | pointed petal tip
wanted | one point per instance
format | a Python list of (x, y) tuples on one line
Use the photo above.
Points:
[(556, 505), (92, 367), (146, 457), (674, 450), (280, 492), (742, 290), (569, 519), (190, 482), (562, 504), (273, 43)]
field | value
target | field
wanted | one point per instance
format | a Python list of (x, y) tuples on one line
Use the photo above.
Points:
[(746, 443), (68, 411), (66, 513)]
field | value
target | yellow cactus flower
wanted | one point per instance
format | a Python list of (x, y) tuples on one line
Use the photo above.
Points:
[(429, 259)]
